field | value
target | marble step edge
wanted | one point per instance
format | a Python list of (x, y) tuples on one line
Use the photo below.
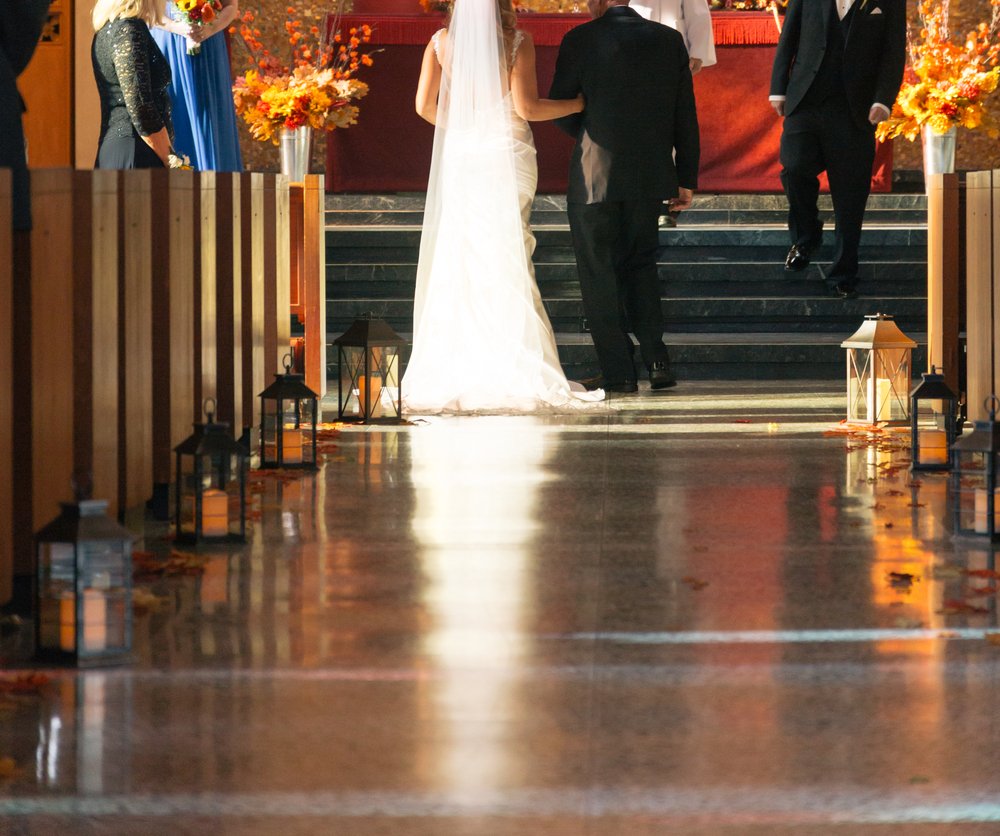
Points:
[(410, 201), (704, 338)]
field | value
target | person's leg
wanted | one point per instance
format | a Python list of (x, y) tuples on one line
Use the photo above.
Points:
[(639, 277), (595, 233), (802, 160), (849, 171)]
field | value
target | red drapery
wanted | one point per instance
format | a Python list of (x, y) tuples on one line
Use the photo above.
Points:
[(389, 149)]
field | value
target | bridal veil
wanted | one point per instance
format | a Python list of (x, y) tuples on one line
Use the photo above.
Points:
[(481, 337)]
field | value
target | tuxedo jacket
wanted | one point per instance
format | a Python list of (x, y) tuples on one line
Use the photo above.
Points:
[(874, 53), (639, 109), (692, 18), (21, 24)]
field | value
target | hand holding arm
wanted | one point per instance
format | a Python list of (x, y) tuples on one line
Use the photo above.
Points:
[(524, 87)]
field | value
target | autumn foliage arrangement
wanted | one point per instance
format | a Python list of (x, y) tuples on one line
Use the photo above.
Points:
[(310, 82), (947, 83), (541, 6)]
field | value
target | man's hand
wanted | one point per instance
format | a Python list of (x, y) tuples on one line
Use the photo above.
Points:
[(779, 106), (695, 65), (878, 113), (682, 201)]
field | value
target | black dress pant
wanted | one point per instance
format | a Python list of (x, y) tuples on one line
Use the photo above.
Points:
[(616, 244), (824, 137)]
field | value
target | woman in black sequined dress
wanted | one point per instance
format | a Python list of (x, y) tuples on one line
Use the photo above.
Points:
[(132, 79)]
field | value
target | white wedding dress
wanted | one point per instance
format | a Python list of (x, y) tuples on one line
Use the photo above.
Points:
[(482, 341)]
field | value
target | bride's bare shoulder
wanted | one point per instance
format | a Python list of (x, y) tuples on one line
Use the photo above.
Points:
[(438, 39)]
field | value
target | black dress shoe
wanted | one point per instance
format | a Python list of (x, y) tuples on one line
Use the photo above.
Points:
[(661, 376), (625, 387), (845, 290), (797, 259)]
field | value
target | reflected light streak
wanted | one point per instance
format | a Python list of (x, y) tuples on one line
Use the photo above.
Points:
[(474, 519)]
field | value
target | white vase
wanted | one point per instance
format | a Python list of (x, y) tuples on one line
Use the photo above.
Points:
[(939, 151), (295, 149)]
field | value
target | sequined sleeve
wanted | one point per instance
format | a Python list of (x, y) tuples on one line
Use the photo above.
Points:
[(130, 53)]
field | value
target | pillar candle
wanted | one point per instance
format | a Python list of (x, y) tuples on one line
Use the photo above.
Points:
[(95, 621), (980, 525), (374, 407), (933, 446), (214, 513), (291, 446)]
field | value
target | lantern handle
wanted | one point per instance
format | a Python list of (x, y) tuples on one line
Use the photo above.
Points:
[(990, 405), (209, 412), (288, 361), (83, 484)]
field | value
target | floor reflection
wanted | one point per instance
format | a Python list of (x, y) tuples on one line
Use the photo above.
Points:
[(475, 518)]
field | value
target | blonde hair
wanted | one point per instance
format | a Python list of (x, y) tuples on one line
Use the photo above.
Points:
[(508, 17), (150, 11)]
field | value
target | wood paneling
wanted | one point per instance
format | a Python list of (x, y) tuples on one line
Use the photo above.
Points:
[(173, 316), (136, 342), (205, 294), (96, 331), (943, 275), (54, 271), (228, 288), (252, 265), (6, 392), (979, 281), (314, 283), (282, 279)]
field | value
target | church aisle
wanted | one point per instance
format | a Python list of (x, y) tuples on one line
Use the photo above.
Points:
[(689, 613)]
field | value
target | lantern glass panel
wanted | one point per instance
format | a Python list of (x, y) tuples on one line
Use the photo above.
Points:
[(369, 377), (84, 592), (211, 495), (288, 425), (878, 384), (933, 427), (973, 476)]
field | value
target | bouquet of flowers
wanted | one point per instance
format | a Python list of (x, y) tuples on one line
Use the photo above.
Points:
[(312, 84), (197, 13), (946, 83)]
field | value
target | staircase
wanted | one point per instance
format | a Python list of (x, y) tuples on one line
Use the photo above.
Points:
[(731, 311)]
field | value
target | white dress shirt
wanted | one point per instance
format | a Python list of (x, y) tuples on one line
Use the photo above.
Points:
[(692, 18)]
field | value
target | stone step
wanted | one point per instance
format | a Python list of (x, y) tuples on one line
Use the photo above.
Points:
[(343, 240), (685, 278), (770, 356)]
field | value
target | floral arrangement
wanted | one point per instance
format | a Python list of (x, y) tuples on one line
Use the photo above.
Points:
[(197, 13), (313, 83), (541, 6), (946, 83)]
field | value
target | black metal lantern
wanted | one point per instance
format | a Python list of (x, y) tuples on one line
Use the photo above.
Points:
[(878, 371), (974, 477), (289, 417), (211, 487), (931, 445), (368, 389), (84, 587)]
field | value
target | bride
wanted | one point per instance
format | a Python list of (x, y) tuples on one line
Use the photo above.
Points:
[(481, 337)]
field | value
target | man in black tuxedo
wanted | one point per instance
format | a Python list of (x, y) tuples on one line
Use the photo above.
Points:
[(639, 112), (21, 23), (837, 70)]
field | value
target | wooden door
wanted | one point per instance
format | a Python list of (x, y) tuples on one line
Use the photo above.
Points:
[(47, 88)]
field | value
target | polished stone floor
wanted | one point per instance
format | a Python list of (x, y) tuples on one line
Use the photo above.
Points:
[(672, 614)]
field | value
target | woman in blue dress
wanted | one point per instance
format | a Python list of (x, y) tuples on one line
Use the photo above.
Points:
[(201, 92)]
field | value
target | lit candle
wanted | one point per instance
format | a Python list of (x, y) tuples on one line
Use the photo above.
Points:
[(933, 446), (374, 407), (95, 621), (883, 399), (214, 513), (981, 510), (291, 446)]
